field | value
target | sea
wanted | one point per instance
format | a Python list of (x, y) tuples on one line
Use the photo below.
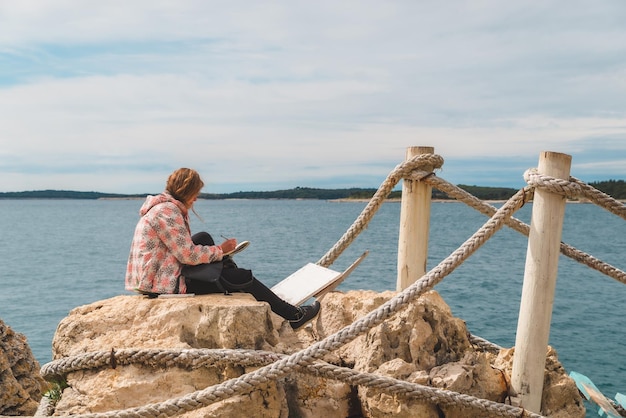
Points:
[(60, 254)]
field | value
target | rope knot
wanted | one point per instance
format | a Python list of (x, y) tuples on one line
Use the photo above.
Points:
[(563, 187), (424, 162)]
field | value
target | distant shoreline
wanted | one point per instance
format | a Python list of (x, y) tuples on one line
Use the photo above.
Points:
[(454, 201), (613, 188), (120, 198), (340, 200)]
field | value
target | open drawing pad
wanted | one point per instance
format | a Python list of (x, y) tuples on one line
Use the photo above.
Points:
[(312, 280), (239, 248)]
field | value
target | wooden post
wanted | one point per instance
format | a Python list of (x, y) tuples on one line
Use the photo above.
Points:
[(542, 258), (414, 225)]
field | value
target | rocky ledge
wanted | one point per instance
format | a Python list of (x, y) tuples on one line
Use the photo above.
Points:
[(21, 386), (423, 344)]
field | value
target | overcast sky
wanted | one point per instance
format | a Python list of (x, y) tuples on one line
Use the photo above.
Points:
[(113, 95)]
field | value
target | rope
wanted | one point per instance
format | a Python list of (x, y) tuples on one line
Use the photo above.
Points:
[(594, 263), (574, 188), (196, 358), (523, 228), (484, 344), (184, 358), (272, 372), (46, 407), (401, 171), (275, 366)]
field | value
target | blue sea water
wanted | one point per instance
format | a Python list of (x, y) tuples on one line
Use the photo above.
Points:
[(60, 254)]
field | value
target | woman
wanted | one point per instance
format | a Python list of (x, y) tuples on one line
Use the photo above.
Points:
[(163, 251)]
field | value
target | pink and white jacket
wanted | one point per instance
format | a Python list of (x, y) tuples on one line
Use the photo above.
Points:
[(161, 245)]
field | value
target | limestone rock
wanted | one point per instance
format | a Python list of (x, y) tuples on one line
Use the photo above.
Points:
[(473, 375), (210, 321), (423, 343), (561, 398), (21, 386), (419, 337)]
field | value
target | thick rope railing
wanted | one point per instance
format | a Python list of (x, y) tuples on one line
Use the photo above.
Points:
[(601, 199), (411, 169), (401, 171), (277, 366), (197, 358), (574, 188), (287, 365)]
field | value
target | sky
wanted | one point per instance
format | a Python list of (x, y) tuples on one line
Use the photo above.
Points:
[(113, 96)]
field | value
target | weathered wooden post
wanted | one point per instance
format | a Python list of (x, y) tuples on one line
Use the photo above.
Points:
[(542, 257), (414, 225)]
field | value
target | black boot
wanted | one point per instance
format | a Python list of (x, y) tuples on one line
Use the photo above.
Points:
[(305, 314)]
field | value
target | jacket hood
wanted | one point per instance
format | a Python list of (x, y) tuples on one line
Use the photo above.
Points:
[(165, 197)]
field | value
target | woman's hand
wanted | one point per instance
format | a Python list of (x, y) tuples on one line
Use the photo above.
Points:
[(228, 245)]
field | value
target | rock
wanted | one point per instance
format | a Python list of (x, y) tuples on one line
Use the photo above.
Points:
[(21, 386), (423, 344), (561, 398), (473, 375), (406, 346), (210, 321)]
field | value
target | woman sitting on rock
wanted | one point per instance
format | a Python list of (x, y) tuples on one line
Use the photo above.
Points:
[(165, 259)]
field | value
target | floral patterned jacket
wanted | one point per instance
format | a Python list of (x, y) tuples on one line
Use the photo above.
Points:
[(161, 245)]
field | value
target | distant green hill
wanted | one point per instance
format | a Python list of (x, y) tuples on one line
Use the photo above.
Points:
[(56, 194), (614, 188), (297, 193), (62, 194)]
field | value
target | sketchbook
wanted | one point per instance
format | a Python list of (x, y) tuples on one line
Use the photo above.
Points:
[(239, 248), (312, 280)]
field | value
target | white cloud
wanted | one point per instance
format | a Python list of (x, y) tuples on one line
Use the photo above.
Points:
[(115, 95)]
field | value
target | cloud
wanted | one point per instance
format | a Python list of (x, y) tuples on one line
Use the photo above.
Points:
[(260, 96)]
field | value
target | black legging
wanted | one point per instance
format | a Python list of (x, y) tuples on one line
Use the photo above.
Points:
[(238, 276)]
